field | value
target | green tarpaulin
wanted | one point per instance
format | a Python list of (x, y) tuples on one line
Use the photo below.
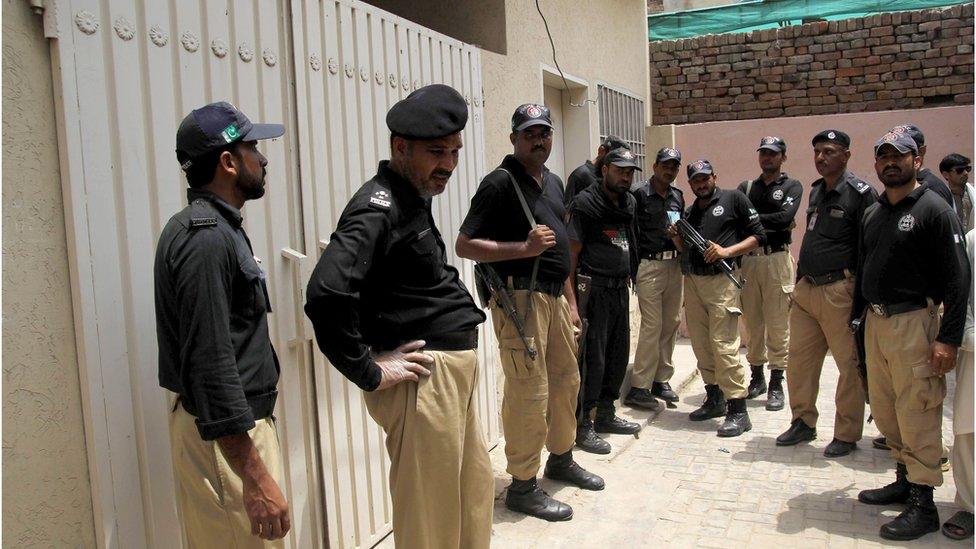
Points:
[(764, 14)]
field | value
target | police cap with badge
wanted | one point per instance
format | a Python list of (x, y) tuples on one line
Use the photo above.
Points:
[(900, 141), (772, 143), (215, 126), (531, 114), (667, 154), (430, 112), (833, 136), (621, 158), (700, 167)]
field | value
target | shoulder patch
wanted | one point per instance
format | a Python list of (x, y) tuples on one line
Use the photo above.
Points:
[(380, 200), (860, 186), (202, 214)]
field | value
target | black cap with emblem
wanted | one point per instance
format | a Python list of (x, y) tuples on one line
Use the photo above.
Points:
[(621, 158), (214, 126), (700, 166), (772, 143), (913, 131), (666, 154), (833, 136), (531, 114), (901, 141), (430, 112)]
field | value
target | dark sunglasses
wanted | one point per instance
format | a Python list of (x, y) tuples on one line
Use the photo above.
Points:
[(966, 169)]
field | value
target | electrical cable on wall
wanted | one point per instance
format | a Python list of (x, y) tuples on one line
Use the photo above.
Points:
[(555, 62)]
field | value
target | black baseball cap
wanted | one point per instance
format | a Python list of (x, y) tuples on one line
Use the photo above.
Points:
[(666, 154), (772, 143), (833, 136), (700, 166), (913, 132), (612, 142), (622, 158), (214, 126), (428, 113), (530, 114), (901, 141)]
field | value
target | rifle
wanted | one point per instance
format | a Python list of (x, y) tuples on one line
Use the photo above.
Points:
[(489, 286), (693, 237), (583, 284), (857, 328)]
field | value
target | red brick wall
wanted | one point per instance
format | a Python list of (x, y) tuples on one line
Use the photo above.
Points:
[(882, 62)]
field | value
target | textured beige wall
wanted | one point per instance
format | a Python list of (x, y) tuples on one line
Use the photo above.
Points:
[(596, 40), (46, 493)]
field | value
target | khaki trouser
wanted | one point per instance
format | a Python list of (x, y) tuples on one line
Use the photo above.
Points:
[(539, 402), (906, 394), (766, 300), (712, 311), (962, 470), (820, 320), (440, 474), (209, 493), (659, 292)]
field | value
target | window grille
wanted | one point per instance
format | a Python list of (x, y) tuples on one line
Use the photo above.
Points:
[(622, 115)]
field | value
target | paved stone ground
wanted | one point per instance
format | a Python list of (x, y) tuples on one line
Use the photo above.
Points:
[(679, 485)]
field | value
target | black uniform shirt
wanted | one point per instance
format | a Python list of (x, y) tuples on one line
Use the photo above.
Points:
[(911, 251), (777, 204), (496, 214), (833, 224), (583, 176), (652, 218), (726, 220), (606, 231), (383, 281), (929, 180), (212, 318)]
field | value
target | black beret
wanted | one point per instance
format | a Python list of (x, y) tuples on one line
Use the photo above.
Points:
[(833, 136), (428, 113)]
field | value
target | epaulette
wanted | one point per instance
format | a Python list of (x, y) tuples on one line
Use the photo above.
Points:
[(380, 200), (201, 214), (859, 185)]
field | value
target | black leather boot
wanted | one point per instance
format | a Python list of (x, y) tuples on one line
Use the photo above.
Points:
[(775, 399), (713, 406), (896, 492), (525, 496), (797, 433), (757, 385), (736, 419), (642, 398), (563, 467), (587, 440), (608, 422), (663, 391), (918, 519)]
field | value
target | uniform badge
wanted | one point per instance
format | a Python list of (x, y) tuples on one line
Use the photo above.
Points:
[(618, 239), (533, 111), (768, 140), (778, 194), (906, 222), (380, 198), (699, 165), (672, 153), (718, 210), (831, 135), (627, 155), (812, 222), (899, 129)]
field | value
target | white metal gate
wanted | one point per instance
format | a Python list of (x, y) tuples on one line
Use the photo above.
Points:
[(125, 73)]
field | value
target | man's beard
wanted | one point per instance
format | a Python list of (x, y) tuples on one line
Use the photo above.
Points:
[(902, 179), (251, 185)]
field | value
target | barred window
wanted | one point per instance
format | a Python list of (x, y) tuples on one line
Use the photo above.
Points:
[(622, 114)]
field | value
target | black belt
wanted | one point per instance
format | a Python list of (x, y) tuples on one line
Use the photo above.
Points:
[(608, 282), (661, 256), (827, 278), (708, 270), (555, 289), (450, 341), (766, 250), (896, 308)]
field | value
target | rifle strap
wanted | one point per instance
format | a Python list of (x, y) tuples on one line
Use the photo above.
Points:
[(532, 226)]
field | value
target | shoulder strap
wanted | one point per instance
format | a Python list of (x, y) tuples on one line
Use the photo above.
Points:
[(749, 187), (521, 197)]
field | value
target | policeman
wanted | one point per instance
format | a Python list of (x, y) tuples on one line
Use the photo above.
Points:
[(955, 169), (212, 308), (539, 404), (659, 291), (822, 299), (589, 172), (396, 320), (730, 224), (911, 259), (926, 176), (602, 220), (769, 270)]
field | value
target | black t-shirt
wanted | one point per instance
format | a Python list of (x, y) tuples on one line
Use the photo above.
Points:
[(496, 214), (606, 231), (651, 215), (726, 220), (583, 176), (833, 223), (777, 204), (383, 280), (935, 183), (911, 251)]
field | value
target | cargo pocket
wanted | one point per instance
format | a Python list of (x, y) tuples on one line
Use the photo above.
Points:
[(515, 360), (788, 290), (928, 389)]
